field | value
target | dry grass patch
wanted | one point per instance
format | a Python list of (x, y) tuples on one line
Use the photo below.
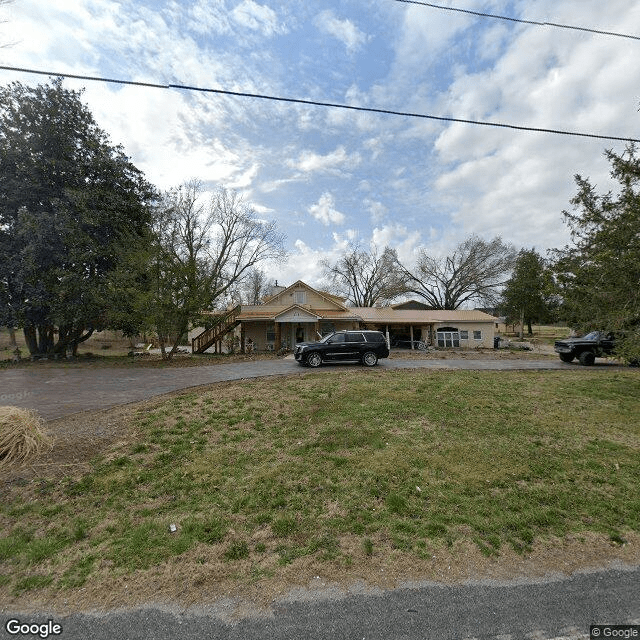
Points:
[(22, 436)]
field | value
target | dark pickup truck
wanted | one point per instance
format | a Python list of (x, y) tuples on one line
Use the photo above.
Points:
[(587, 348)]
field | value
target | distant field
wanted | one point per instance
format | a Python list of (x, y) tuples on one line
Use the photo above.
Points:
[(102, 343), (329, 471), (541, 333)]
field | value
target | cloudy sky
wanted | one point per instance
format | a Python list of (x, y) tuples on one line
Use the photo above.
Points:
[(329, 176)]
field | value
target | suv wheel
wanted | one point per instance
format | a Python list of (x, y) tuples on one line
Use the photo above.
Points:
[(314, 359), (369, 359), (587, 358), (567, 357)]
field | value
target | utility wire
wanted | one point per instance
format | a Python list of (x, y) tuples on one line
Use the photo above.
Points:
[(533, 22), (316, 103)]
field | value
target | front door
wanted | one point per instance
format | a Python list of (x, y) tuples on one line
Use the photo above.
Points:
[(299, 337)]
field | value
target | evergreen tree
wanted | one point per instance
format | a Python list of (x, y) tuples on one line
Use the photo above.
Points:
[(528, 294), (599, 274), (74, 214)]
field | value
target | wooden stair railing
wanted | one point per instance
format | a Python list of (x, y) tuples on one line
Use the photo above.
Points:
[(223, 325)]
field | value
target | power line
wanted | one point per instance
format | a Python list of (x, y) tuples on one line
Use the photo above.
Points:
[(533, 22), (316, 103)]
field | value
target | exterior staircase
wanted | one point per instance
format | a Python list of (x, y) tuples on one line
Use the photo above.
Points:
[(224, 323)]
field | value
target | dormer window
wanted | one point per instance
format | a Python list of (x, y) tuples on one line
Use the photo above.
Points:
[(300, 297)]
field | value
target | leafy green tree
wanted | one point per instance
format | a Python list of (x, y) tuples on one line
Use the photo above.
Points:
[(599, 274), (528, 295), (74, 214)]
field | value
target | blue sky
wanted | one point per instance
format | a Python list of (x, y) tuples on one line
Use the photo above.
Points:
[(330, 177)]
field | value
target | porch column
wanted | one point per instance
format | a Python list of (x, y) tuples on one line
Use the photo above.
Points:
[(411, 333), (242, 338), (278, 343), (388, 340), (316, 329)]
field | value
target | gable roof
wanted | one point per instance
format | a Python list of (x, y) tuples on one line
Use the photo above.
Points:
[(334, 301)]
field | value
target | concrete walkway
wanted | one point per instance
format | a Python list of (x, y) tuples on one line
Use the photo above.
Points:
[(57, 392)]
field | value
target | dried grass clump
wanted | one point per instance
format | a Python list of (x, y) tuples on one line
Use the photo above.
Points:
[(22, 435)]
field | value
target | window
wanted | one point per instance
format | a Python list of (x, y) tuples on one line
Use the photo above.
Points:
[(464, 335), (355, 337), (448, 338), (271, 332), (477, 335), (300, 297), (336, 338)]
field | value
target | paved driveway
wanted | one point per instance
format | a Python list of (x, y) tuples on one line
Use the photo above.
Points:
[(56, 392)]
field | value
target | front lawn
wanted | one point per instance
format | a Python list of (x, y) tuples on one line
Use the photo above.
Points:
[(334, 469)]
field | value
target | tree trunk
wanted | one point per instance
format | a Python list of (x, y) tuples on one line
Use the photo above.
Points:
[(163, 350), (31, 339), (45, 339), (521, 323), (12, 338)]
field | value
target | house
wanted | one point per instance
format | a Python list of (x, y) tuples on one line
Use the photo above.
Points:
[(300, 313)]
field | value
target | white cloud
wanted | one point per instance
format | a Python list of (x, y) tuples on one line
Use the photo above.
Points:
[(344, 30), (324, 211), (309, 161), (516, 184), (257, 17), (397, 236), (210, 16), (377, 210)]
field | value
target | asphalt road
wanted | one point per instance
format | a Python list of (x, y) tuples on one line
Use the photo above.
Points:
[(57, 392), (558, 608)]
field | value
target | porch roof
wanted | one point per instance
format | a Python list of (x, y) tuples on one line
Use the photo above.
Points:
[(389, 315), (264, 312)]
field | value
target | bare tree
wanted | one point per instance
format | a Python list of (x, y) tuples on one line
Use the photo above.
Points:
[(254, 287), (474, 272), (203, 249), (365, 277)]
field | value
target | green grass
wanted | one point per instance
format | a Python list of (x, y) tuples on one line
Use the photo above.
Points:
[(399, 461)]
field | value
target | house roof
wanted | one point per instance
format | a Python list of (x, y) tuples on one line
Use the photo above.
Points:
[(272, 308), (271, 312), (411, 304), (334, 301), (420, 316)]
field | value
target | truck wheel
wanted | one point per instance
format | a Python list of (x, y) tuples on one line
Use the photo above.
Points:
[(587, 358), (566, 357)]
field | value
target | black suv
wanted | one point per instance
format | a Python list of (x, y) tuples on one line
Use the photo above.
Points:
[(344, 346)]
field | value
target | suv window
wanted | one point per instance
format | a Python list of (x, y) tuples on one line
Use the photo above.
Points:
[(375, 337), (336, 337), (355, 337)]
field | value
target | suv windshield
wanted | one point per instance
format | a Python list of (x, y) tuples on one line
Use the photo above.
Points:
[(594, 335)]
